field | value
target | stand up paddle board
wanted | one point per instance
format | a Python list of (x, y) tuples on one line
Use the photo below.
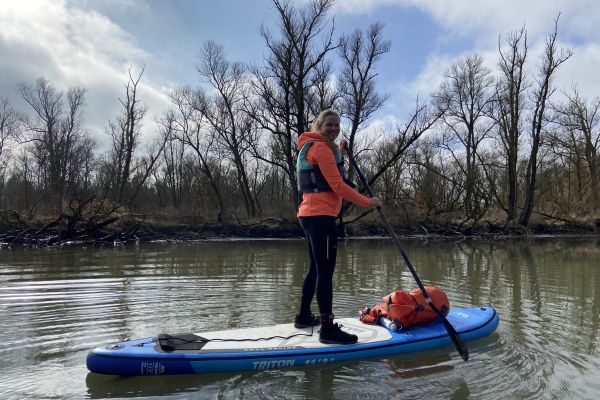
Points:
[(279, 346)]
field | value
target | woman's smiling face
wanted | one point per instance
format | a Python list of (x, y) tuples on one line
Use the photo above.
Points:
[(330, 128)]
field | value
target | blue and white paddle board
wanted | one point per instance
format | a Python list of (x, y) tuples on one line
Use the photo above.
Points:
[(246, 349)]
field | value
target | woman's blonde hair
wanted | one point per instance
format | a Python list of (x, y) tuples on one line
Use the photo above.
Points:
[(318, 121)]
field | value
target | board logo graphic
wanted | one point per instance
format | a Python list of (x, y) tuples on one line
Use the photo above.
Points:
[(257, 365), (151, 368)]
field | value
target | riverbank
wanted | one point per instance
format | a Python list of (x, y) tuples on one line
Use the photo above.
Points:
[(125, 231)]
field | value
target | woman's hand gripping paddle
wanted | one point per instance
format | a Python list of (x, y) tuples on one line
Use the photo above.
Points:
[(458, 342)]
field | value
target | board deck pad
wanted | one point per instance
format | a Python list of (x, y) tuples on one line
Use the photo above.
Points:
[(306, 338)]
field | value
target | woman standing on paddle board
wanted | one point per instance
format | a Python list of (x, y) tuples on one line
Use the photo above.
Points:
[(321, 181)]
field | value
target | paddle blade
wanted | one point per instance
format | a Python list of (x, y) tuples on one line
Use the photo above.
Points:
[(458, 342)]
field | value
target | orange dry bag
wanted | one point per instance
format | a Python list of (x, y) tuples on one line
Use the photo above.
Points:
[(407, 309)]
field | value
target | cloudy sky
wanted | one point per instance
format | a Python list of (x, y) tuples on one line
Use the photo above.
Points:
[(92, 43)]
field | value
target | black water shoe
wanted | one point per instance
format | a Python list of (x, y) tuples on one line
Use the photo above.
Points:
[(306, 321), (332, 334)]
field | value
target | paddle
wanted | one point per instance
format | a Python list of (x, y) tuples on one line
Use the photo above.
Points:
[(458, 342)]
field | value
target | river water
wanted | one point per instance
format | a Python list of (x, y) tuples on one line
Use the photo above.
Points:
[(55, 305)]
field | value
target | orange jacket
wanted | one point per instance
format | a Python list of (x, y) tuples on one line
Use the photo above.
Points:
[(326, 203)]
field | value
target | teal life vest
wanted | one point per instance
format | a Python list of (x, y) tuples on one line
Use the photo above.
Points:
[(309, 177)]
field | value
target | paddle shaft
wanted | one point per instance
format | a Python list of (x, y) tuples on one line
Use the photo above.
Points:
[(458, 342)]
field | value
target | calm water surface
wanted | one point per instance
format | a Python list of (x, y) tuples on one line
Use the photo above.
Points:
[(55, 305)]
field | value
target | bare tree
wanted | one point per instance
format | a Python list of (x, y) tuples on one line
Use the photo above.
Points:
[(224, 112), (9, 132), (463, 99), (191, 129), (434, 184), (147, 163), (294, 68), (360, 54), (173, 162), (551, 60), (508, 110), (9, 129), (580, 120), (125, 134), (421, 120), (323, 92), (55, 133), (125, 172), (9, 124), (382, 159), (81, 167)]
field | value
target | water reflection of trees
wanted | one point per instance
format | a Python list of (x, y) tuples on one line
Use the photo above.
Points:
[(546, 289)]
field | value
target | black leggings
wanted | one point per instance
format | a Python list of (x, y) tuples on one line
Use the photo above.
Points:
[(321, 237)]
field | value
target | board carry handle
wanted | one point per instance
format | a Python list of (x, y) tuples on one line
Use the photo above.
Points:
[(458, 342)]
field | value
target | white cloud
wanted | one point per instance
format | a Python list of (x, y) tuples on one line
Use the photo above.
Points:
[(582, 70), (362, 6), (72, 47), (429, 79), (484, 22), (580, 17), (140, 6), (495, 17)]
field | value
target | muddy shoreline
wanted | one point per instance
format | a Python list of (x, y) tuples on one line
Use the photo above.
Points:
[(136, 232)]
